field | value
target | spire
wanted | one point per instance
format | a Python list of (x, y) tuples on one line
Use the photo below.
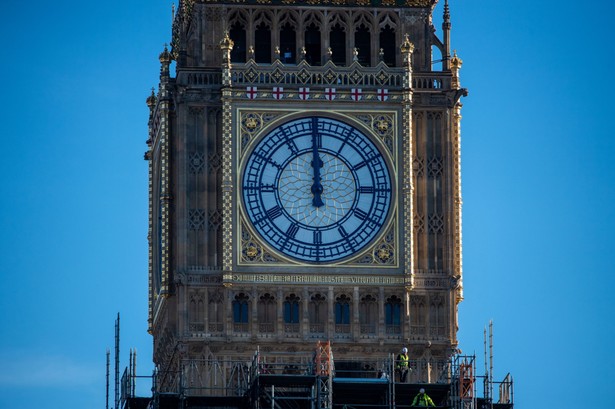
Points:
[(447, 14), (446, 30)]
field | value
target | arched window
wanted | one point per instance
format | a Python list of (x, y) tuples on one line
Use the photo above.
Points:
[(288, 44), (196, 312), (392, 315), (337, 40), (312, 45), (388, 46), (368, 314), (291, 313), (215, 313), (417, 315), (291, 309), (238, 35), (262, 47), (318, 313), (266, 313), (362, 41), (342, 314), (436, 316), (240, 312)]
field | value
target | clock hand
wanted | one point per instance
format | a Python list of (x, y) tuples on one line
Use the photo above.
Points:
[(316, 164)]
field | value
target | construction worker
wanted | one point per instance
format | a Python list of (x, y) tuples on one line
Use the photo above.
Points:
[(402, 365), (422, 399)]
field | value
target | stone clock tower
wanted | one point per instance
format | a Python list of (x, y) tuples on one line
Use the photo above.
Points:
[(304, 186)]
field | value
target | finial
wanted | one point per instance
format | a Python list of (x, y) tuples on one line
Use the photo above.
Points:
[(447, 14), (165, 56), (226, 45), (173, 11), (456, 62), (151, 100), (407, 47)]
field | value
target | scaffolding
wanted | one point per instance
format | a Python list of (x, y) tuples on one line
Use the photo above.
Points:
[(300, 380)]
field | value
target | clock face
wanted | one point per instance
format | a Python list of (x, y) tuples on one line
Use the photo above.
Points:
[(316, 189)]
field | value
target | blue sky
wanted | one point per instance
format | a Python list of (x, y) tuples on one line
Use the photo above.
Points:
[(538, 188)]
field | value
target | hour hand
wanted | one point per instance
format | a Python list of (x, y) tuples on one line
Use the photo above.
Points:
[(317, 186), (316, 165)]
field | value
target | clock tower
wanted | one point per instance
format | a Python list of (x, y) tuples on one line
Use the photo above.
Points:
[(304, 186)]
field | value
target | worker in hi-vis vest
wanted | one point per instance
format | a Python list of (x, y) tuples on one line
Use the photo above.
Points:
[(422, 399), (402, 364)]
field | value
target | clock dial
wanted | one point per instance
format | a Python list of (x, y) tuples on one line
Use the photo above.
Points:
[(316, 189)]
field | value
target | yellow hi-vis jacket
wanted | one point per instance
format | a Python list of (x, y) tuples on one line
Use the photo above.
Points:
[(422, 400)]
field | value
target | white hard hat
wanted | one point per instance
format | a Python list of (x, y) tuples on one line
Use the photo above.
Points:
[(404, 350), (422, 390)]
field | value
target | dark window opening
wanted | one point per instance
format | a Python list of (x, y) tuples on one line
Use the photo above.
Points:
[(291, 309), (342, 311), (362, 41), (337, 39), (288, 44), (240, 309), (387, 44), (262, 48), (238, 35), (312, 45), (392, 311)]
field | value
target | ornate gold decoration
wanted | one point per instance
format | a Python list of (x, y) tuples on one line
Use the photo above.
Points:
[(251, 251), (383, 252), (251, 122), (382, 125)]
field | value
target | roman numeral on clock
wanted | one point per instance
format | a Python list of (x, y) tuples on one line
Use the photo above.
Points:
[(274, 212), (292, 230), (360, 214)]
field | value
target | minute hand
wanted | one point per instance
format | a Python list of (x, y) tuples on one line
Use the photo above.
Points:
[(316, 164)]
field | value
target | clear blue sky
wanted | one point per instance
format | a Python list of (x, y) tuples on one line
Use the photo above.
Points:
[(538, 191)]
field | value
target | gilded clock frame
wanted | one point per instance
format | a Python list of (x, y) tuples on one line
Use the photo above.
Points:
[(253, 255)]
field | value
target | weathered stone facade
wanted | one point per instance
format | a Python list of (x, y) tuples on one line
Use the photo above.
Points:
[(217, 289)]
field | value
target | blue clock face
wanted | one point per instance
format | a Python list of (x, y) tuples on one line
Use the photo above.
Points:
[(316, 189)]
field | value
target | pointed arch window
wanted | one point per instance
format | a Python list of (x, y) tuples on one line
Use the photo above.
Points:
[(392, 315), (240, 312), (337, 39), (291, 313), (417, 315), (238, 35), (312, 44), (215, 313), (196, 312), (436, 316), (362, 41), (288, 44), (388, 46), (342, 314), (266, 313), (368, 314), (291, 309), (262, 47), (318, 313)]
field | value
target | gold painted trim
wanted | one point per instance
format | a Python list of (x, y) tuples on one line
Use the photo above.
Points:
[(380, 126)]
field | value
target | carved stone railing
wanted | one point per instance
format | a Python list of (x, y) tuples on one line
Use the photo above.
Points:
[(305, 75)]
